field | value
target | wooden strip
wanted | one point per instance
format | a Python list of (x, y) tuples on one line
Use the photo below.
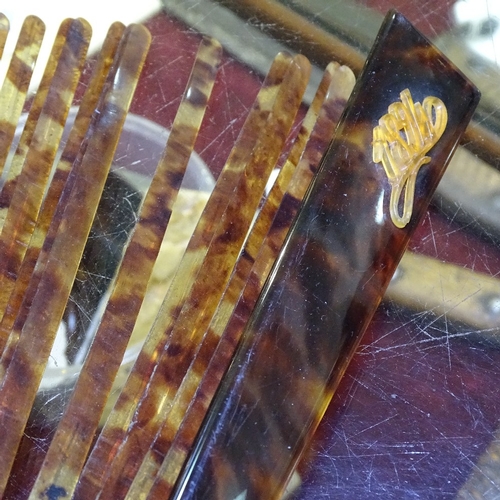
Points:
[(119, 419), (284, 24), (16, 83), (44, 305), (74, 146), (31, 185), (182, 423), (194, 319), (4, 31), (79, 423)]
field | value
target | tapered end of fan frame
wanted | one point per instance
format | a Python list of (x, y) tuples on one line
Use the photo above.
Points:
[(48, 210)]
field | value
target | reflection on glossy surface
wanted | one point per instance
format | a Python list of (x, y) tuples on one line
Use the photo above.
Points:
[(326, 284)]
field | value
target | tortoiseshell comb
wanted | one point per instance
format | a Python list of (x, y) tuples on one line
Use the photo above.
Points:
[(47, 214), (200, 417), (404, 119), (40, 262), (46, 224)]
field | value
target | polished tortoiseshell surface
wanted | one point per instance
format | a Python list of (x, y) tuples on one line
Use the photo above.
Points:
[(120, 417), (156, 416), (331, 274), (60, 177), (76, 137), (4, 31), (196, 393), (23, 192), (76, 430), (195, 313), (42, 307), (16, 83)]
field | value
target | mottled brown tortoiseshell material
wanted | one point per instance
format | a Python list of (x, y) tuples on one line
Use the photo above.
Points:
[(194, 396), (182, 338), (16, 83), (43, 305), (60, 176), (119, 419), (76, 430), (327, 282), (4, 31), (23, 194)]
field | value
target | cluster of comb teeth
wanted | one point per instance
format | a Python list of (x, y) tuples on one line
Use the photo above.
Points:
[(47, 213)]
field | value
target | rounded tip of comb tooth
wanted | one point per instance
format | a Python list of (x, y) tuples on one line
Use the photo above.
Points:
[(4, 22)]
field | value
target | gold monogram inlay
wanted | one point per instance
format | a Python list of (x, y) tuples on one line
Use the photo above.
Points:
[(400, 142)]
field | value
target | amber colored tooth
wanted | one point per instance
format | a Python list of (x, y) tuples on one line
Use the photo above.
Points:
[(16, 83), (120, 416), (4, 31), (208, 286), (182, 401), (46, 297), (75, 145), (35, 112), (61, 76), (205, 295), (79, 423), (334, 266)]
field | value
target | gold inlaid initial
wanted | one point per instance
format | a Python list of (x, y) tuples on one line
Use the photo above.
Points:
[(401, 141)]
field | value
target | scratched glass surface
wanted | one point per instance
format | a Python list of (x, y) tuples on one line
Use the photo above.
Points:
[(417, 414)]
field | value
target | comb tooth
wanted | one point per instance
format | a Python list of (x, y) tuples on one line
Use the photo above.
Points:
[(27, 197), (209, 286), (44, 303), (4, 31), (32, 119), (17, 80), (76, 430), (182, 422), (120, 416), (74, 145)]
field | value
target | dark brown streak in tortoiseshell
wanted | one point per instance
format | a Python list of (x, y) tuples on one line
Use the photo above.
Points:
[(23, 210), (75, 144), (119, 419), (17, 80), (208, 287), (179, 430), (76, 430), (46, 297), (331, 274)]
